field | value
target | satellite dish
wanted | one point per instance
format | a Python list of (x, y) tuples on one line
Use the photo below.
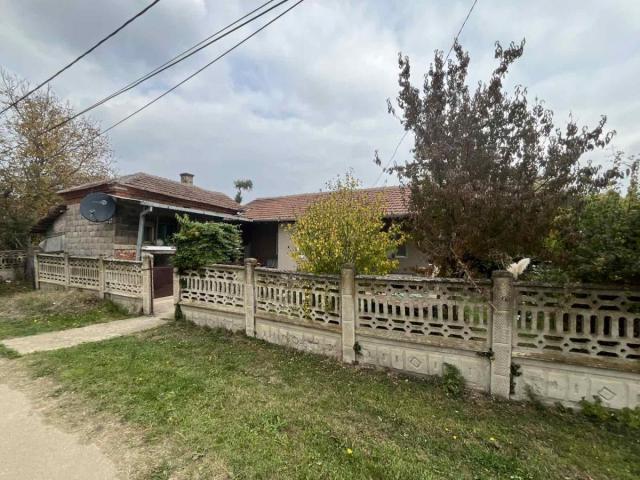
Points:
[(98, 207)]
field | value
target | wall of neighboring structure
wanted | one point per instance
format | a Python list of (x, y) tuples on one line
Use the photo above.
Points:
[(82, 237), (285, 246), (411, 263), (262, 239)]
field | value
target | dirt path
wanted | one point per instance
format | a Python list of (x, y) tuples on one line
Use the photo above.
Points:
[(32, 449)]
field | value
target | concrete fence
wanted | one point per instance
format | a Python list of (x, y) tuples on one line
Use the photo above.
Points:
[(511, 339), (127, 283), (12, 264)]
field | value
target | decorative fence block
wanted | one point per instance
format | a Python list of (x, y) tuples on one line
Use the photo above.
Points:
[(298, 296), (10, 259), (120, 278), (216, 285), (123, 277), (84, 273), (51, 269), (446, 309), (578, 321)]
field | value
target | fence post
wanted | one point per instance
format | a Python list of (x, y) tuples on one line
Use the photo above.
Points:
[(36, 272), (348, 313), (503, 304), (147, 284), (67, 273), (176, 287), (250, 296), (101, 279)]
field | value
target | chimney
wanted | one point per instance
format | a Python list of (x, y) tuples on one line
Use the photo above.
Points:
[(186, 178)]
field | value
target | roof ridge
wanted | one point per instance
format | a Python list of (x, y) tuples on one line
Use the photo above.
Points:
[(369, 189), (175, 181)]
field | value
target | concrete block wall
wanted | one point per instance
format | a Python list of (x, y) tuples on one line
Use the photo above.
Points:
[(82, 237)]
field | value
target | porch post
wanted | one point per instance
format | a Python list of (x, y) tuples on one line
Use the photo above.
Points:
[(250, 296), (348, 313)]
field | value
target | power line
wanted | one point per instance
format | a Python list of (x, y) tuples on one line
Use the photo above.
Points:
[(112, 34), (148, 104), (177, 59), (455, 39), (392, 157), (460, 31)]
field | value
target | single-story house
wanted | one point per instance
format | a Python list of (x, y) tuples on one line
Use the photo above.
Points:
[(144, 220), (268, 239)]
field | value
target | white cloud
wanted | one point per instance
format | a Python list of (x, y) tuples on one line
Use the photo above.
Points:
[(305, 99)]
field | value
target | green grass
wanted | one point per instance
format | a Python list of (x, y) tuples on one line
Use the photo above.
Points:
[(13, 287), (254, 410), (32, 312)]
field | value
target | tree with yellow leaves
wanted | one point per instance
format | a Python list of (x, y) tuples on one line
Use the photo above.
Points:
[(345, 227)]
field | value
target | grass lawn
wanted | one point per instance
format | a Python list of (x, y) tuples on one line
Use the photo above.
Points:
[(241, 408), (26, 312)]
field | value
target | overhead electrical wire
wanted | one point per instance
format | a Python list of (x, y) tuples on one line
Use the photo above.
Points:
[(185, 80), (69, 65), (177, 59), (455, 39)]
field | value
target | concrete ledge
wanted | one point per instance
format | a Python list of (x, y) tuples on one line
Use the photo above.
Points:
[(423, 359), (206, 317), (568, 384), (306, 339)]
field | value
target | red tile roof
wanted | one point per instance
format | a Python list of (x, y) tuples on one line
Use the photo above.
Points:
[(289, 207), (164, 187)]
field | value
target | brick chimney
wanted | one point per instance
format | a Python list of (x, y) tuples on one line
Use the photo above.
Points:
[(186, 178)]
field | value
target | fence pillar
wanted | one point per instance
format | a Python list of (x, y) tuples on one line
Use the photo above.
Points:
[(36, 272), (250, 296), (67, 272), (176, 287), (147, 284), (101, 279), (503, 304), (348, 313)]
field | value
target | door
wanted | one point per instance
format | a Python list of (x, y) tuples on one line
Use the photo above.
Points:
[(162, 281)]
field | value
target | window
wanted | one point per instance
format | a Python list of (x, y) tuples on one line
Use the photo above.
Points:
[(401, 251)]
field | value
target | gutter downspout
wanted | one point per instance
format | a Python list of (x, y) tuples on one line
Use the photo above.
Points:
[(143, 213)]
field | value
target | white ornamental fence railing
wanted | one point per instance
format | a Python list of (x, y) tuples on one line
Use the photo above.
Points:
[(512, 339), (124, 281), (12, 263)]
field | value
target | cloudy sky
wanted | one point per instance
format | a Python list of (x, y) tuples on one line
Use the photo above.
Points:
[(306, 98)]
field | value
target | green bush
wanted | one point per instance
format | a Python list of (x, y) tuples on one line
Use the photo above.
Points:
[(598, 242), (452, 381), (202, 243)]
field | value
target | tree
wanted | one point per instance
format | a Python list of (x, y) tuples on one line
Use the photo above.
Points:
[(599, 242), (199, 244), (36, 161), (490, 171), (242, 185), (345, 227)]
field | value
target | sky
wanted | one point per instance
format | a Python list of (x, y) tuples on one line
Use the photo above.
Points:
[(305, 99)]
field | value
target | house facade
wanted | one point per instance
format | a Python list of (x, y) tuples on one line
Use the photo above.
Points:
[(144, 218), (268, 238), (146, 207)]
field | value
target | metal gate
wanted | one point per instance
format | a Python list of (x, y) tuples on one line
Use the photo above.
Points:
[(162, 281)]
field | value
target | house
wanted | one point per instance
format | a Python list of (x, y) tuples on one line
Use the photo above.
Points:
[(268, 239), (144, 219)]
